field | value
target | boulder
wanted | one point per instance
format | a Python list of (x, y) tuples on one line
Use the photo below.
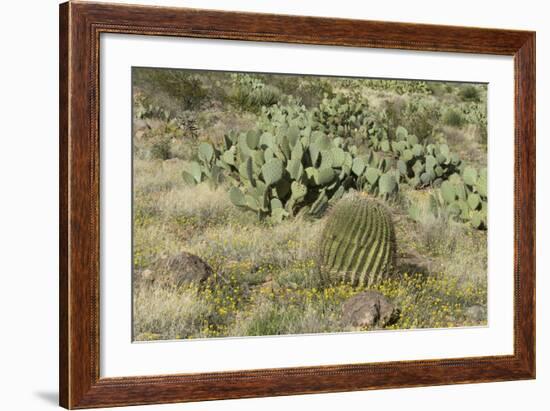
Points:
[(369, 309), (477, 313), (182, 268)]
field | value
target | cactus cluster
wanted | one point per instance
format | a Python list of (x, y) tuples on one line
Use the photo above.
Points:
[(250, 93), (397, 86), (422, 165), (418, 165), (376, 174), (464, 197), (357, 244), (276, 174), (343, 116), (206, 169), (299, 160)]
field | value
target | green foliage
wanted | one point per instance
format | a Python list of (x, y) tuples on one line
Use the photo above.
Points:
[(419, 165), (420, 116), (398, 86), (476, 114), (357, 243), (343, 116), (453, 118), (290, 163), (287, 169), (143, 109), (251, 94), (307, 90), (161, 149), (297, 160), (469, 93), (464, 197), (205, 169), (182, 85)]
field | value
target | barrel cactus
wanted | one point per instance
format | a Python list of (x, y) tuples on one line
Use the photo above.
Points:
[(357, 244)]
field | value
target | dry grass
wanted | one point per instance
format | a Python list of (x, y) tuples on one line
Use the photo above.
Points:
[(161, 313), (266, 277)]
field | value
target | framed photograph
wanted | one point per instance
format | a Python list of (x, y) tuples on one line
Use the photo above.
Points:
[(260, 205)]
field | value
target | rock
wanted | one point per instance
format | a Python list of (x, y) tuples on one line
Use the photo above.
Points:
[(476, 313), (184, 268), (147, 275), (412, 262), (369, 309)]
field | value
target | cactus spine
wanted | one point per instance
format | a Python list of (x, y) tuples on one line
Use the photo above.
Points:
[(358, 241)]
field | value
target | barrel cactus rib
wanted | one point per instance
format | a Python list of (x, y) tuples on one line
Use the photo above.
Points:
[(359, 249), (343, 259), (366, 264), (383, 251), (336, 253)]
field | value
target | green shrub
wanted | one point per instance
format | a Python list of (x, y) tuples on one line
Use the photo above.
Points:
[(476, 114), (250, 93), (161, 149), (184, 86), (420, 116), (453, 118), (398, 86), (469, 93)]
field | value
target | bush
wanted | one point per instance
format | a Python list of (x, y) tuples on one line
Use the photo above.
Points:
[(453, 118), (184, 86), (161, 149), (469, 93), (420, 116), (312, 91), (251, 94)]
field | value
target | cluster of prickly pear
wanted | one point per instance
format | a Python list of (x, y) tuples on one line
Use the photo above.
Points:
[(206, 168), (251, 93), (398, 86), (357, 243), (464, 197), (376, 174), (423, 165), (343, 116), (277, 173)]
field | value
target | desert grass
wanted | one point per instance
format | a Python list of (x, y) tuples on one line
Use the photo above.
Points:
[(267, 280)]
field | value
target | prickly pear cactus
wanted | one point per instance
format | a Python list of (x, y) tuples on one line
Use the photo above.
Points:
[(358, 243)]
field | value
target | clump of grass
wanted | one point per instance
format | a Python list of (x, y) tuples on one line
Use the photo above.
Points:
[(161, 313), (453, 118), (153, 178), (199, 207), (161, 149)]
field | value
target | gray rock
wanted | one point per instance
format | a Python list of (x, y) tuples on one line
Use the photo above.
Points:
[(369, 309), (476, 313), (183, 268)]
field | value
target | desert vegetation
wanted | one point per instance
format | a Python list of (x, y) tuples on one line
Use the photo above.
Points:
[(270, 204)]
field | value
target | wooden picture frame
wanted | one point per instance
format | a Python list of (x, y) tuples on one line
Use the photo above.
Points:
[(80, 27)]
